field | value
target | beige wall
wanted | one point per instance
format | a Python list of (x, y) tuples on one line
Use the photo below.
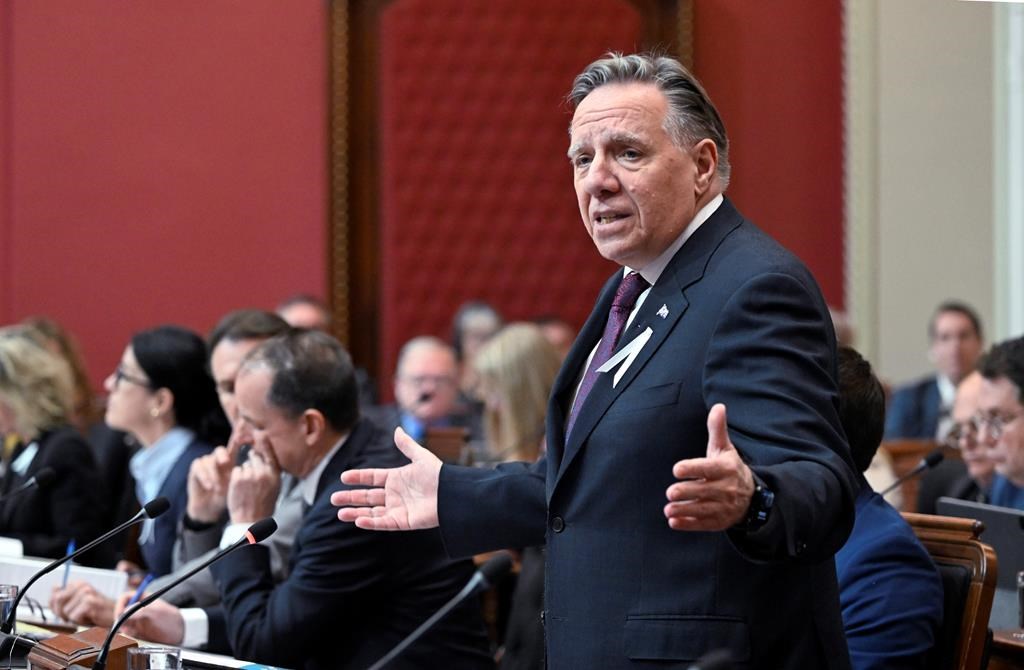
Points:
[(933, 150)]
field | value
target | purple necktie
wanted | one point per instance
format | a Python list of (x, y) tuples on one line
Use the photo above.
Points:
[(629, 290)]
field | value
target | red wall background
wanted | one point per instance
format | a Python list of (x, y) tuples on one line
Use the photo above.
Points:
[(166, 161), (775, 71), (163, 162)]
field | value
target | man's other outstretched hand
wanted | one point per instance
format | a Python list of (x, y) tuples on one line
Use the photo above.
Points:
[(402, 498)]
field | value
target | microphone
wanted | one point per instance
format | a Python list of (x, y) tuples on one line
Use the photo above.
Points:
[(929, 461), (150, 510), (41, 479), (257, 532), (489, 574)]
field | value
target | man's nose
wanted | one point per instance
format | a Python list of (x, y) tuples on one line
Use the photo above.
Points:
[(600, 177), (243, 433)]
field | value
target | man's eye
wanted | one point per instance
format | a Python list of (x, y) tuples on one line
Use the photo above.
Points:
[(581, 161), (630, 154)]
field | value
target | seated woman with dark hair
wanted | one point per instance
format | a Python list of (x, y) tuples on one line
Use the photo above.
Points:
[(162, 393), (35, 406)]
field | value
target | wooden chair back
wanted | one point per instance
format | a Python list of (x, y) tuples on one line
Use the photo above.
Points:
[(968, 568)]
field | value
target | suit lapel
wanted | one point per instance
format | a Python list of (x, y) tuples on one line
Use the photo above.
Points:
[(686, 268), (569, 375)]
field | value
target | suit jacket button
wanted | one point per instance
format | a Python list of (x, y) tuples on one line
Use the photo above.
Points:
[(557, 524)]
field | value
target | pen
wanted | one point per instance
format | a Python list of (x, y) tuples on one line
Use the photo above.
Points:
[(67, 566), (139, 591)]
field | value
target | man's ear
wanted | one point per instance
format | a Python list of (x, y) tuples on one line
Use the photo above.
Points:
[(705, 160), (314, 425)]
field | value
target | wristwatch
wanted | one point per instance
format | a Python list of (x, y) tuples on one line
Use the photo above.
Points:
[(760, 507)]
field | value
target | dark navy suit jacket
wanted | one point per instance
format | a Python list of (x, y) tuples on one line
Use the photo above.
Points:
[(351, 594), (890, 590), (158, 551), (735, 319), (913, 411), (70, 508)]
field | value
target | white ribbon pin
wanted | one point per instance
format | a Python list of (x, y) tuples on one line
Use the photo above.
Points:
[(626, 355)]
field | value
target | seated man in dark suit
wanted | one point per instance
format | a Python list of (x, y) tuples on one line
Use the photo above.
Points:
[(426, 391), (922, 409), (889, 589), (351, 595)]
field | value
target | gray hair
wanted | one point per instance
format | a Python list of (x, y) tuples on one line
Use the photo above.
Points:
[(311, 370), (426, 343), (692, 116)]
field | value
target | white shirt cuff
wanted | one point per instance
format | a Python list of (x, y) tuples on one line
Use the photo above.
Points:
[(233, 533), (197, 627)]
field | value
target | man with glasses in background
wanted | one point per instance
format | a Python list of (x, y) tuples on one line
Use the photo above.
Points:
[(998, 420), (426, 390), (977, 468)]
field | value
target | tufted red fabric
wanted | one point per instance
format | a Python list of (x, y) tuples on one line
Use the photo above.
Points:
[(476, 192)]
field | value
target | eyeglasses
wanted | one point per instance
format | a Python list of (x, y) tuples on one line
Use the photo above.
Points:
[(120, 375), (966, 430), (423, 380), (995, 423)]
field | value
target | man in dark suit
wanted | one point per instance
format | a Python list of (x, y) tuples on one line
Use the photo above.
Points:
[(350, 595), (740, 557), (890, 590), (426, 391), (922, 409)]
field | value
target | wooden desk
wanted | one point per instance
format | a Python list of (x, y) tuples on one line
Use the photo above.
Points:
[(1007, 650)]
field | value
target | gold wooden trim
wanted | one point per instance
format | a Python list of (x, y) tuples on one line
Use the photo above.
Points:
[(684, 38), (338, 233)]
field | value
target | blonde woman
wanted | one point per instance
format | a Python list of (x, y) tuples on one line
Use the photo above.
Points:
[(516, 369), (35, 405)]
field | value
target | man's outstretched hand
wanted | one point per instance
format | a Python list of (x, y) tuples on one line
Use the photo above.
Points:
[(402, 498), (714, 492)]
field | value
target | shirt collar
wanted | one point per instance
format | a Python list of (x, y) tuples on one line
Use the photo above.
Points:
[(947, 390), (309, 484), (652, 271), (151, 466)]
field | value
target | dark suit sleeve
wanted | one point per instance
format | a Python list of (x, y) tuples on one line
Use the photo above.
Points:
[(771, 361), (482, 510), (336, 569), (901, 420), (891, 598)]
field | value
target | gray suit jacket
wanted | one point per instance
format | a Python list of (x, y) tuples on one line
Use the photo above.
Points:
[(193, 547)]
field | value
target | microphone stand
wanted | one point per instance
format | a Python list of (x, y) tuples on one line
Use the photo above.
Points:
[(11, 642), (258, 532)]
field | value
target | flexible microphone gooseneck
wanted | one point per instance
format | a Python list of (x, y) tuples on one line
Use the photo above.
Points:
[(257, 532), (41, 480), (487, 576), (932, 459), (150, 510)]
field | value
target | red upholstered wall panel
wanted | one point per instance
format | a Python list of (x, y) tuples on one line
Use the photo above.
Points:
[(775, 72), (476, 192), (167, 162)]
